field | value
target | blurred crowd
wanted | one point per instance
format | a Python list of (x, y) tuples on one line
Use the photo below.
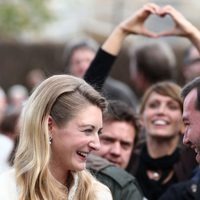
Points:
[(142, 154)]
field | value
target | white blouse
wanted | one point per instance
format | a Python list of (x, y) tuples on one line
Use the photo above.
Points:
[(8, 188)]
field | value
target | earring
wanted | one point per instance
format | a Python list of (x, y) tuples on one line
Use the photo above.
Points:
[(50, 139)]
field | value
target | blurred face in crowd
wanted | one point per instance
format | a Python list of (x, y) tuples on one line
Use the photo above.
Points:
[(74, 140), (162, 116), (3, 104), (117, 141), (80, 61), (192, 68), (191, 118)]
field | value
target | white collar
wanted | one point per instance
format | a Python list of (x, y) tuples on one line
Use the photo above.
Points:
[(74, 187)]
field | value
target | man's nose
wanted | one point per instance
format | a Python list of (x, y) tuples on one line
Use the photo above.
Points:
[(116, 149), (186, 139)]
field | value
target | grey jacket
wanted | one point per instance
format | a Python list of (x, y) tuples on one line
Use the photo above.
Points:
[(123, 185)]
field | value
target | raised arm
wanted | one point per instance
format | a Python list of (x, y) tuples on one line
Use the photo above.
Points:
[(182, 26), (132, 25), (101, 65)]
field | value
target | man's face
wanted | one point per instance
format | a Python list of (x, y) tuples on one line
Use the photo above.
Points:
[(191, 117), (117, 141), (80, 61)]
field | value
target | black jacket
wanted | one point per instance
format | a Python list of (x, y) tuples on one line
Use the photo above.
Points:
[(187, 190)]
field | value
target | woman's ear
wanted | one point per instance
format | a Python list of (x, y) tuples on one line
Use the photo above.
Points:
[(141, 121), (50, 123)]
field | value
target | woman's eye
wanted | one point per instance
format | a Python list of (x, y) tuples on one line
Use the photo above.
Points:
[(173, 107), (153, 105)]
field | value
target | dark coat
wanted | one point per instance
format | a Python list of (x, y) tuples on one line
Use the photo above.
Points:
[(182, 171), (187, 190)]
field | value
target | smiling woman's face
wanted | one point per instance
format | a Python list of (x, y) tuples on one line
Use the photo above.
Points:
[(162, 116), (72, 142)]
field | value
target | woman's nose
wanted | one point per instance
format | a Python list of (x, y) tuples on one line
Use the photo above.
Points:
[(161, 109), (95, 143)]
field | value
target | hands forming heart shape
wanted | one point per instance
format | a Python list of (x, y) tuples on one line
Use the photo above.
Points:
[(135, 23)]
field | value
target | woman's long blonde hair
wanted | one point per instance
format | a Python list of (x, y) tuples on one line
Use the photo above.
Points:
[(60, 96)]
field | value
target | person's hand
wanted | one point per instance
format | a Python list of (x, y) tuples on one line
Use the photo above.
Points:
[(135, 23), (182, 26)]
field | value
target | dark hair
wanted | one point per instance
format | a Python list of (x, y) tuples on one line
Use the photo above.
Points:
[(194, 84), (9, 126), (156, 61), (121, 112), (9, 123), (188, 59)]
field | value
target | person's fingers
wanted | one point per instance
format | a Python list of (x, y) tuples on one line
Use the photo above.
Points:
[(147, 33), (147, 10), (166, 10), (151, 7), (135, 23), (169, 10), (171, 32)]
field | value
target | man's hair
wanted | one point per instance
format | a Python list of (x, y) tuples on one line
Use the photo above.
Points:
[(189, 58), (118, 111), (189, 87), (156, 61)]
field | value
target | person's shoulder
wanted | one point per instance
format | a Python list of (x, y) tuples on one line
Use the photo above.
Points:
[(188, 190), (7, 179), (118, 175), (8, 185), (102, 191), (118, 85), (101, 167), (116, 89), (7, 176), (102, 195), (121, 183)]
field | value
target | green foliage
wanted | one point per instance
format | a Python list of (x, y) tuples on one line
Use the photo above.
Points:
[(17, 16)]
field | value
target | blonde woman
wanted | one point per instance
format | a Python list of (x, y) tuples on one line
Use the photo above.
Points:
[(60, 124)]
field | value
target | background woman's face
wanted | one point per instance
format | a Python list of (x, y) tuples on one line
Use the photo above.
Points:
[(162, 116)]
